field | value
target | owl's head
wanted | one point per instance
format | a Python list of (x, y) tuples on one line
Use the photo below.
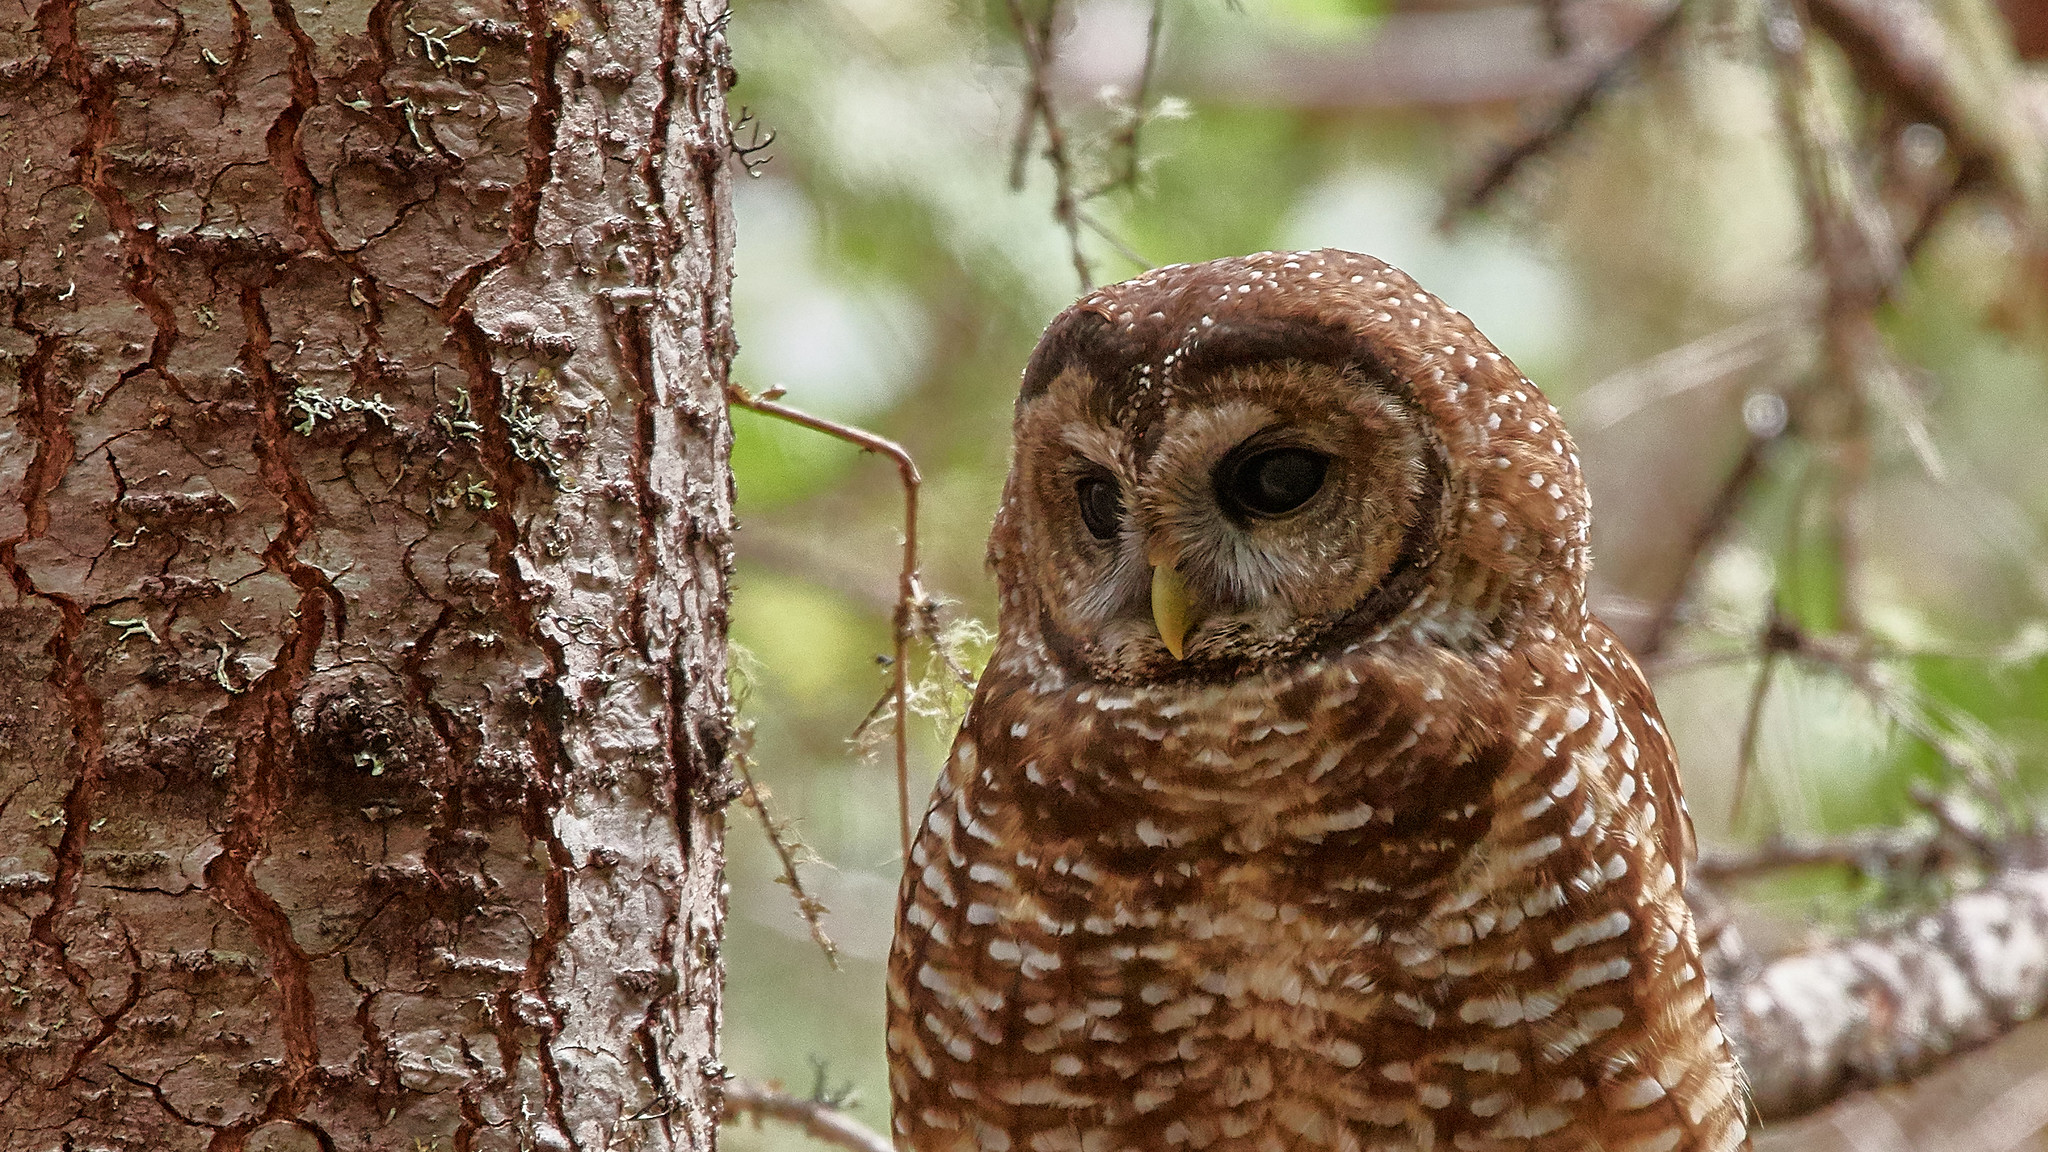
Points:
[(1225, 467)]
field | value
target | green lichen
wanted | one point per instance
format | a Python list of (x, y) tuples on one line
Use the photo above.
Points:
[(465, 491), (459, 422), (523, 426), (310, 407)]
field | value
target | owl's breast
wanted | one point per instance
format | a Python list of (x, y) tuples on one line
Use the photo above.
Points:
[(1208, 1001), (1318, 914), (1191, 921)]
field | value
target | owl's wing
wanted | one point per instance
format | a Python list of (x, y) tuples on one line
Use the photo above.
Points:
[(1656, 765)]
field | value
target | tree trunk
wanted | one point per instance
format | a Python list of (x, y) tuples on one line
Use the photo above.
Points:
[(364, 524)]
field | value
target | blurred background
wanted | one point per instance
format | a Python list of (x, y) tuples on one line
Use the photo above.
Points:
[(1780, 265)]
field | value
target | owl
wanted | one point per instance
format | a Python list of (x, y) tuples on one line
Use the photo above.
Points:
[(1303, 804)]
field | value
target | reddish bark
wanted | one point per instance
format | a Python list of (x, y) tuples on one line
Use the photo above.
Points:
[(364, 522)]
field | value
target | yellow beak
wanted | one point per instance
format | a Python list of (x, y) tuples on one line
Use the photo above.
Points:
[(1171, 608)]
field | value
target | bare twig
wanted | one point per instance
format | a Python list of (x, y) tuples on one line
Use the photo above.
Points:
[(1509, 160), (1713, 523), (1950, 841), (1753, 716), (910, 591), (1036, 40), (749, 153), (1985, 767), (1856, 247), (1708, 360), (1125, 140), (1116, 242), (1903, 54), (808, 906), (821, 1119), (1868, 853), (1975, 756), (1858, 250), (1952, 821)]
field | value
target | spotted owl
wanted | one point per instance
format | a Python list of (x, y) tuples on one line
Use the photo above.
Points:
[(1303, 804)]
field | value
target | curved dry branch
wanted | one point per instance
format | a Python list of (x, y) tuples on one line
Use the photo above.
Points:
[(909, 589)]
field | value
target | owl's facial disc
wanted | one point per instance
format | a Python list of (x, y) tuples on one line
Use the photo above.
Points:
[(1235, 526)]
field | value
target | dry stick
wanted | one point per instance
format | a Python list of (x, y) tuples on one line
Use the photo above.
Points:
[(1855, 284), (1902, 54), (1952, 822), (1709, 359), (1855, 243), (1116, 242), (1125, 141), (1699, 661), (1903, 712), (819, 1118), (1037, 45), (1509, 160), (1712, 524), (808, 906), (1851, 656), (1727, 351), (910, 593), (1752, 723), (1027, 125), (1866, 853)]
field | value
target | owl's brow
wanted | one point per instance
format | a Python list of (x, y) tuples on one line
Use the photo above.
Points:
[(1248, 340)]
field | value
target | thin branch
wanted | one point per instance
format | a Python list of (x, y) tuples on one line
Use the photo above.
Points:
[(1509, 160), (1984, 768), (1860, 254), (1950, 841), (1855, 244), (1712, 358), (808, 906), (1974, 755), (1712, 525), (910, 591), (1036, 41), (1753, 716), (1125, 140), (820, 1119), (1969, 177), (759, 141), (1116, 242), (1951, 820), (1872, 852), (1903, 54)]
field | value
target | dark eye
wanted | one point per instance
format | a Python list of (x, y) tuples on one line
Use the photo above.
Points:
[(1273, 482), (1101, 505)]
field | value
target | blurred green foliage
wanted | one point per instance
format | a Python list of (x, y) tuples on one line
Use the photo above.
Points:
[(889, 275)]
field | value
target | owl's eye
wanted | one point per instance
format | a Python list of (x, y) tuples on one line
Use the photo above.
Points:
[(1272, 483), (1102, 506)]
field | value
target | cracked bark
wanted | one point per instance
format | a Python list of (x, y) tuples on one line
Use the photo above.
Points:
[(364, 531)]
